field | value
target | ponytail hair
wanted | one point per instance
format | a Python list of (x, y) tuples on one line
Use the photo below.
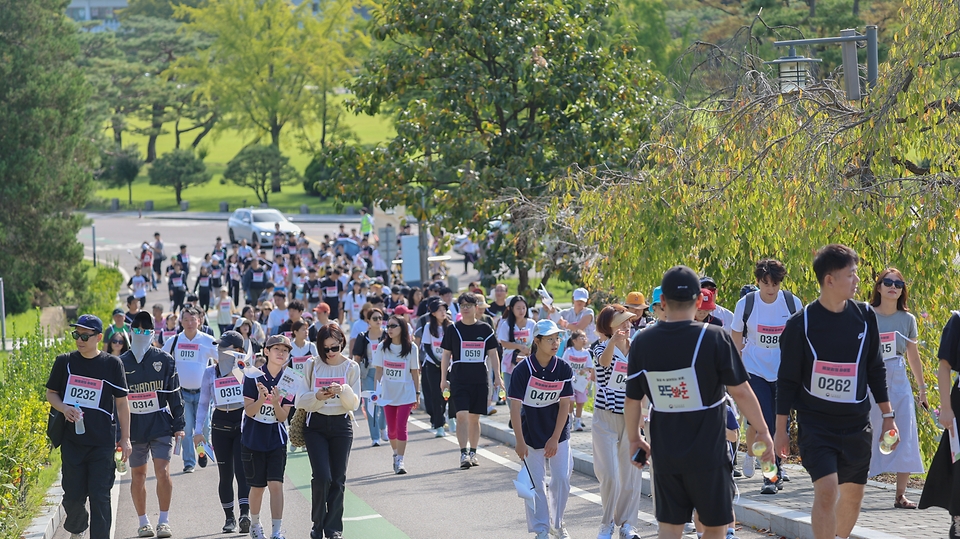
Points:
[(573, 336)]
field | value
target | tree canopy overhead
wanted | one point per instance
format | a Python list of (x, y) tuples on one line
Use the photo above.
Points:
[(495, 99)]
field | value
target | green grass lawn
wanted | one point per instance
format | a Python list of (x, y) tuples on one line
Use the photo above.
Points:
[(21, 325), (222, 146)]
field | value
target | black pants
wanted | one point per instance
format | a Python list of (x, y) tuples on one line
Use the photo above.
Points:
[(432, 397), (204, 298), (329, 439), (88, 472), (225, 435), (235, 291), (177, 298)]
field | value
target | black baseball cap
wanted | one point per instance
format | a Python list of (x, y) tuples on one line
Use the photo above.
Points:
[(230, 339), (680, 283), (707, 281)]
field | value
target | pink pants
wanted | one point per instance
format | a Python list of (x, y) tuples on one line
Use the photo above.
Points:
[(397, 420)]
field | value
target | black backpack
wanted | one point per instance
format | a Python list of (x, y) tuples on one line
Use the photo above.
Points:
[(751, 299)]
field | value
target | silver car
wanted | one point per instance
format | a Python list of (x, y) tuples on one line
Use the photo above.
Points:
[(257, 225)]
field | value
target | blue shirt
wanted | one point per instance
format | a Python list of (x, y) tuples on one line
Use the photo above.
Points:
[(538, 424), (257, 435)]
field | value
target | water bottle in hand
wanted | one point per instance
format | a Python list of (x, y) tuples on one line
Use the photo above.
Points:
[(888, 440), (769, 469), (78, 424), (121, 465)]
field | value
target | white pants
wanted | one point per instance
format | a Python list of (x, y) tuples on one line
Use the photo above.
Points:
[(549, 506), (620, 480)]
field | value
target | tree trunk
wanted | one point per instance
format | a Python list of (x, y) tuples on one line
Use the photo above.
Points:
[(176, 135), (207, 127), (178, 187), (156, 123), (130, 192), (275, 140), (118, 134)]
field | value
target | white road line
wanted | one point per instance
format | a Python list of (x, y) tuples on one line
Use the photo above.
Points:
[(515, 466), (364, 517)]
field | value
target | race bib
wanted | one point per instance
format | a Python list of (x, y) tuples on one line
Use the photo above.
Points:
[(437, 349), (541, 393), (188, 351), (267, 414), (319, 383), (234, 274), (299, 363), (257, 277), (216, 272), (472, 351), (177, 282), (83, 391), (769, 336), (393, 370), (888, 345), (315, 292), (185, 259), (168, 334), (227, 391), (578, 361), (204, 281), (224, 305), (835, 382), (330, 291), (674, 390), (144, 403), (618, 378)]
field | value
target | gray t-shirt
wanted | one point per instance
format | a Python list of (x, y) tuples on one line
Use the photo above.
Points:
[(900, 323)]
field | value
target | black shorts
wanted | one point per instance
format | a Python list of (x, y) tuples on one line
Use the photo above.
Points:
[(470, 398), (710, 493), (845, 452), (260, 467)]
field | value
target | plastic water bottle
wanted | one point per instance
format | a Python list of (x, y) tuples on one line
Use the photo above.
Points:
[(888, 440), (121, 465), (78, 424), (201, 452), (446, 393), (769, 469)]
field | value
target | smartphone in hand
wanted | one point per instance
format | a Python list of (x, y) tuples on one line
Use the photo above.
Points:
[(640, 457)]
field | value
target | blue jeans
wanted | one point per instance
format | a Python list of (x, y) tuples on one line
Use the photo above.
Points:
[(190, 402), (376, 421)]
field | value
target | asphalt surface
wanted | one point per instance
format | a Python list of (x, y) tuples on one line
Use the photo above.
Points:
[(435, 500)]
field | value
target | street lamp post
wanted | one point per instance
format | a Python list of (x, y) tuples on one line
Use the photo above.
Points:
[(851, 71)]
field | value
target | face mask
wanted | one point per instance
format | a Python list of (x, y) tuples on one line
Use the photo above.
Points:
[(139, 344), (227, 361)]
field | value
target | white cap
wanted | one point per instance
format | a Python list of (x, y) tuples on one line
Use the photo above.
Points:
[(581, 294)]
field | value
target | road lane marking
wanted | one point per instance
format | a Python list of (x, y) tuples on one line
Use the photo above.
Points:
[(364, 517), (515, 466)]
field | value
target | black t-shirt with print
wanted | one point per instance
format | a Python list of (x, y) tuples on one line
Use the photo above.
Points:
[(538, 424), (453, 338), (691, 441), (99, 421)]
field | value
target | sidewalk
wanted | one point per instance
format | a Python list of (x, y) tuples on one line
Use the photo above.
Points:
[(786, 513)]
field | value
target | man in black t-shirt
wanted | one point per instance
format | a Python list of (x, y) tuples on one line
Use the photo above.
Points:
[(682, 366), (829, 354), (471, 347), (89, 386), (331, 290)]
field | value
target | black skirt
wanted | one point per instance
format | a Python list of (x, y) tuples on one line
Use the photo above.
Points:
[(942, 486)]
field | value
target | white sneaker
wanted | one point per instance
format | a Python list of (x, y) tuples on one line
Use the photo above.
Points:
[(76, 535), (256, 532), (464, 461), (400, 469), (578, 425), (689, 528), (606, 531), (474, 461), (384, 436), (395, 461), (562, 533), (748, 466), (627, 532)]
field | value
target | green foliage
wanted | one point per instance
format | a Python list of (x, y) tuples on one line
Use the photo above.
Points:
[(24, 448), (100, 296), (255, 168), (119, 167), (161, 9), (751, 173), (495, 99), (45, 153), (179, 170)]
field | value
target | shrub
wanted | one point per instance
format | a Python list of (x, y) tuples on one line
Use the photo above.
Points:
[(100, 297)]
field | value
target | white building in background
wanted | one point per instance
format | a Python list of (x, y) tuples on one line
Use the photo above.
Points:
[(96, 10)]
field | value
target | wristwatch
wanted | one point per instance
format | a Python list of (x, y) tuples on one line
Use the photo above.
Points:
[(889, 415)]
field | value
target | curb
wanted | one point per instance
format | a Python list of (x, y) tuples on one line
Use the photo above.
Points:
[(45, 525), (762, 516)]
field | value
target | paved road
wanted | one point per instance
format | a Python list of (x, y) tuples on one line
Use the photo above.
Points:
[(436, 500), (116, 234)]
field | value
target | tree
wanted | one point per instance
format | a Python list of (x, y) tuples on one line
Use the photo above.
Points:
[(120, 168), (750, 172), (46, 157), (254, 167), (265, 57), (160, 9), (178, 170), (495, 99)]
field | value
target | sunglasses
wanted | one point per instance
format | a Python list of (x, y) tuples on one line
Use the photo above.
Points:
[(326, 350), (890, 282), (392, 326), (138, 331), (82, 336), (115, 342)]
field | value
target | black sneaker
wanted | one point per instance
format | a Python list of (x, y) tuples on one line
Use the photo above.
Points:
[(188, 469), (736, 473), (768, 488), (244, 524), (230, 525), (202, 460)]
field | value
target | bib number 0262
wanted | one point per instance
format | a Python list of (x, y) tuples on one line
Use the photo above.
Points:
[(834, 384)]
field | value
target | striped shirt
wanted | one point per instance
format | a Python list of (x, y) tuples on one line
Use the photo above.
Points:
[(607, 398)]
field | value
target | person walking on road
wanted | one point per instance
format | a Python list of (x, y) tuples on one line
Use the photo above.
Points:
[(682, 366), (365, 347), (177, 286), (398, 377), (430, 338), (331, 395), (223, 387), (264, 436), (89, 388), (830, 355), (193, 351), (898, 341), (156, 421), (470, 353), (541, 394)]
